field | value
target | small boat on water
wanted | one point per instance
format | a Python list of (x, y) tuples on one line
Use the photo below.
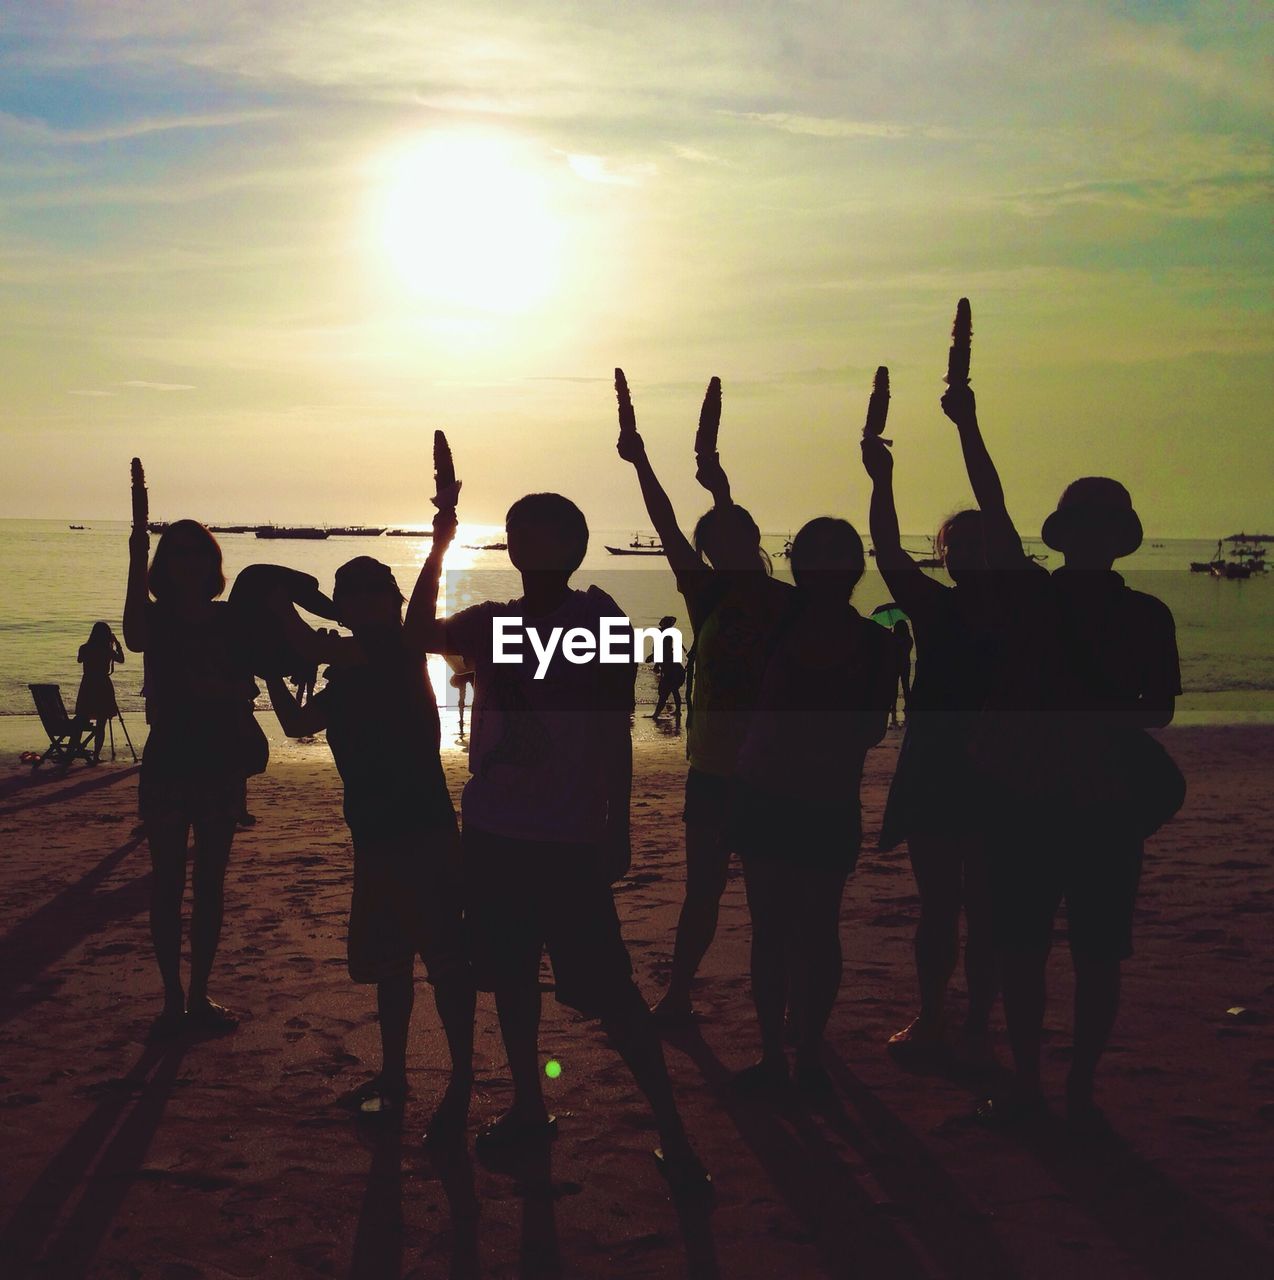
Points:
[(1241, 563), (157, 526), (80, 527), (639, 546), (409, 533), (280, 531), (356, 531), (488, 546), (232, 528)]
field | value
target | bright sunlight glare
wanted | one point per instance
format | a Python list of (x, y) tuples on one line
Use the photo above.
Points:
[(464, 220)]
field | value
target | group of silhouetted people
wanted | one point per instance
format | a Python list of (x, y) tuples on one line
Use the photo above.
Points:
[(1025, 777)]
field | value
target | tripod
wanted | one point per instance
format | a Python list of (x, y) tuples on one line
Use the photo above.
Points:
[(110, 726)]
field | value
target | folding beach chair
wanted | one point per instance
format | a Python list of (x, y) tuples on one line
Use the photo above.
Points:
[(64, 744)]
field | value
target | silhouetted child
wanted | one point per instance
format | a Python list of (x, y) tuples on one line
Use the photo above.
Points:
[(824, 701), (1079, 783), (546, 826), (936, 800), (734, 606), (382, 724), (203, 745)]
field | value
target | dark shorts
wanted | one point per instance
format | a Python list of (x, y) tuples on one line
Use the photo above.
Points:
[(1033, 870), (820, 836), (196, 799), (708, 798), (407, 903), (523, 896)]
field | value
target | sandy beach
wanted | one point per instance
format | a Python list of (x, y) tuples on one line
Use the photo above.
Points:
[(224, 1158)]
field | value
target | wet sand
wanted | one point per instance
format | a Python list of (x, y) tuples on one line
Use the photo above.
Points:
[(226, 1158)]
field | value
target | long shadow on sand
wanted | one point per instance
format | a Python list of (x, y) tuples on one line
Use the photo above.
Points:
[(1171, 1233), (65, 920), (854, 1231), (19, 787), (104, 1157)]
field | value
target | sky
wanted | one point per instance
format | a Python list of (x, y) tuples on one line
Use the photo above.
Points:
[(269, 247)]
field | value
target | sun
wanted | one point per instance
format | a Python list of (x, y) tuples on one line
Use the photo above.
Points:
[(464, 221)]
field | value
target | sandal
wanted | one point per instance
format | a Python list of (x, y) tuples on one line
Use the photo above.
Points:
[(917, 1040), (374, 1097), (510, 1131), (208, 1015)]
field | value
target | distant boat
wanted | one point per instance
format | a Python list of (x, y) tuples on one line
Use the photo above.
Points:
[(75, 526), (157, 526), (1241, 564), (232, 528), (1249, 537), (639, 546), (488, 546), (277, 531), (356, 531), (410, 533)]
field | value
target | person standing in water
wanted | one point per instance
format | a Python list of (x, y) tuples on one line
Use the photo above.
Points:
[(95, 703), (735, 607), (935, 801)]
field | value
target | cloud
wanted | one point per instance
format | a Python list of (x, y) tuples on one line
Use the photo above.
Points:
[(833, 127), (143, 385), (93, 394), (37, 131), (600, 169)]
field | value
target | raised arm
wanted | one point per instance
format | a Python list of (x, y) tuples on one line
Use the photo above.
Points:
[(878, 462), (682, 557), (137, 597), (295, 720), (423, 629), (1003, 545)]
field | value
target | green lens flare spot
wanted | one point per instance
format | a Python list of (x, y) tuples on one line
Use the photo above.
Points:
[(552, 1068)]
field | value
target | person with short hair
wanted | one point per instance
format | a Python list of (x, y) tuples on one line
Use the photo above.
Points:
[(546, 827), (823, 703), (381, 717)]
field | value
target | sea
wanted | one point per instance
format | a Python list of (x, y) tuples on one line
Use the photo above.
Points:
[(56, 581)]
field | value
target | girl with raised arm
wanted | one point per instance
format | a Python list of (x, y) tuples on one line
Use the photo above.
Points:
[(935, 800), (735, 607), (200, 751)]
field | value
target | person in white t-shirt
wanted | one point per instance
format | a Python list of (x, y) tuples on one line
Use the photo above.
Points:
[(546, 821)]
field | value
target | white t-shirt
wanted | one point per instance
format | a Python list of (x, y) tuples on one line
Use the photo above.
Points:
[(538, 748)]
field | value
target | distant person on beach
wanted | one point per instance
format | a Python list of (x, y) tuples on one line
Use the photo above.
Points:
[(823, 702), (546, 828), (734, 606), (95, 703), (1078, 782), (381, 718), (462, 682), (203, 744), (935, 801), (671, 676), (902, 682)]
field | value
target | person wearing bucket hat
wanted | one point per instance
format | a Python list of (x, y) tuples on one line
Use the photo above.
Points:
[(1089, 666), (1094, 523)]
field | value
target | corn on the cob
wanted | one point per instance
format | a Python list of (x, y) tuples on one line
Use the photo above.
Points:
[(961, 342), (878, 405), (141, 503), (627, 418), (444, 465), (709, 420)]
